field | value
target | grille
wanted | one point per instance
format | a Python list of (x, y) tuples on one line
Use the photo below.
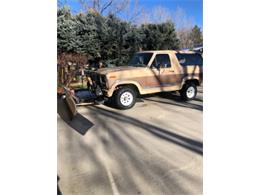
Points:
[(99, 80)]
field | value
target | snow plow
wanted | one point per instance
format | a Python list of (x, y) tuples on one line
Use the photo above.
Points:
[(76, 87)]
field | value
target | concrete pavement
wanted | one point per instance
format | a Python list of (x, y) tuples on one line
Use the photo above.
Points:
[(153, 148)]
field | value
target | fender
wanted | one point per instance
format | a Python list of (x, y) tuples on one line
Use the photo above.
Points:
[(125, 82), (190, 77)]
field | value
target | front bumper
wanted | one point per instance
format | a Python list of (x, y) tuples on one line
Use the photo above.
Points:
[(99, 84)]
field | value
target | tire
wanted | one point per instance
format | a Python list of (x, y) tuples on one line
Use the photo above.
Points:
[(124, 98), (188, 91)]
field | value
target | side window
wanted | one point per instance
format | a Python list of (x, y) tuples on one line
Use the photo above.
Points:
[(197, 59), (161, 60), (190, 59)]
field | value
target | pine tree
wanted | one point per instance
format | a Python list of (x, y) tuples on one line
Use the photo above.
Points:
[(159, 36), (113, 39), (112, 44), (131, 42), (66, 33), (87, 34)]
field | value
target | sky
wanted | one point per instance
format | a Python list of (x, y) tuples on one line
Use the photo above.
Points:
[(193, 8)]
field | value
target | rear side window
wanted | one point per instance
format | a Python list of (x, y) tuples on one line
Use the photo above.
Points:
[(162, 60), (189, 59)]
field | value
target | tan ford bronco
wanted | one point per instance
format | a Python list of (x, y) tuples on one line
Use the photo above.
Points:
[(151, 72)]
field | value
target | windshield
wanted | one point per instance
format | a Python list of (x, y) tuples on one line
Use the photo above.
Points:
[(140, 59)]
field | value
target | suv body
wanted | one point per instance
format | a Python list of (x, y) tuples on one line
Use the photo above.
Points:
[(151, 72)]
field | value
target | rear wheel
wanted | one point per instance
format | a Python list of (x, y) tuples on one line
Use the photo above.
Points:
[(188, 91), (124, 98)]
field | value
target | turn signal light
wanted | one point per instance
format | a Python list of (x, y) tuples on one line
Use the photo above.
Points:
[(112, 77)]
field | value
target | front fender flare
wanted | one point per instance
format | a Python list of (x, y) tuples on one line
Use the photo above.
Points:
[(118, 83)]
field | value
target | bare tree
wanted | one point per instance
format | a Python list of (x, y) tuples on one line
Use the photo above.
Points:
[(102, 6), (181, 19), (184, 36), (133, 11), (184, 26), (158, 14), (161, 14), (118, 6), (61, 3), (145, 17), (83, 5)]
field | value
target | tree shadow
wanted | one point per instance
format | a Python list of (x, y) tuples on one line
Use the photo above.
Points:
[(121, 146), (174, 100), (79, 123), (190, 144), (58, 188), (186, 105), (76, 152), (120, 149)]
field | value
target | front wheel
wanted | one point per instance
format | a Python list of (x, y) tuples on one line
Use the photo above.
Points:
[(188, 91), (124, 98)]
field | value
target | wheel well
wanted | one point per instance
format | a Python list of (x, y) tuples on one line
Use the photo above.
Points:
[(194, 81), (134, 87)]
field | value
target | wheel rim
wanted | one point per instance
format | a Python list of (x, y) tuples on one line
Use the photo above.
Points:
[(190, 92), (126, 98)]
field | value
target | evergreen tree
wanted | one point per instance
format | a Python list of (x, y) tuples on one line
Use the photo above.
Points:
[(102, 35), (66, 34), (113, 39), (132, 41), (113, 45), (159, 36), (87, 34)]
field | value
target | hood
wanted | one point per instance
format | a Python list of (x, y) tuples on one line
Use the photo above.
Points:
[(117, 69)]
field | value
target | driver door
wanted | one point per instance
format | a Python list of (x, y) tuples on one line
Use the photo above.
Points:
[(165, 70)]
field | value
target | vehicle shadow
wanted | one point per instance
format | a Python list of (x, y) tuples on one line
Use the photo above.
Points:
[(79, 123), (175, 97), (168, 135)]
